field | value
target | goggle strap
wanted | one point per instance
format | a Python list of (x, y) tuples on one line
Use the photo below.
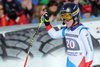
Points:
[(76, 12)]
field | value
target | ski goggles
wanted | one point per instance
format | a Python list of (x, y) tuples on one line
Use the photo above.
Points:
[(66, 16)]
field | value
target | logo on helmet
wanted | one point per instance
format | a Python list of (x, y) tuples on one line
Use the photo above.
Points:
[(68, 10)]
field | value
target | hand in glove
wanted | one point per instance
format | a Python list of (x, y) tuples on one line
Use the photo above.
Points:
[(45, 19)]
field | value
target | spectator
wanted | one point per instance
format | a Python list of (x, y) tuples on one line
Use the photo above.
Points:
[(95, 7), (14, 13), (36, 15), (28, 9), (43, 9), (60, 3), (11, 6), (20, 19), (53, 10), (87, 10), (3, 17)]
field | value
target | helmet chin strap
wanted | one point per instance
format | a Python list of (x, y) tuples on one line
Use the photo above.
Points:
[(63, 23), (74, 22)]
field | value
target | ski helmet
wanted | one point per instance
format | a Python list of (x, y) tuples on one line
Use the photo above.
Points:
[(70, 11)]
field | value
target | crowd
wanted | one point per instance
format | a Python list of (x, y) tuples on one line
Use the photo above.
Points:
[(17, 12)]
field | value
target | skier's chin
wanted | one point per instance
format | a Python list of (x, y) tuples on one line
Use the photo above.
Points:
[(68, 26)]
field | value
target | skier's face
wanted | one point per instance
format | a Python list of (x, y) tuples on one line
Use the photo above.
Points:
[(67, 18), (68, 23)]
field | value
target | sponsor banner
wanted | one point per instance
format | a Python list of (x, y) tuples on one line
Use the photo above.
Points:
[(15, 43), (94, 28)]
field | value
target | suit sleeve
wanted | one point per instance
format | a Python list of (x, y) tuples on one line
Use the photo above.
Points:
[(86, 38), (53, 33)]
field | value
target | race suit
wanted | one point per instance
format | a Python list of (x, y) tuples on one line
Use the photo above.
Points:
[(78, 42)]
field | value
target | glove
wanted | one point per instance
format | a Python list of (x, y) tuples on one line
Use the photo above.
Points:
[(45, 18)]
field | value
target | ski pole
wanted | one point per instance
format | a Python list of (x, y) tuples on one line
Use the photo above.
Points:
[(32, 41)]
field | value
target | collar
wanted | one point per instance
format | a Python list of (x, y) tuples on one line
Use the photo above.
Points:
[(72, 29)]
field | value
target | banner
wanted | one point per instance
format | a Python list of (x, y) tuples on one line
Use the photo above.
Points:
[(15, 43)]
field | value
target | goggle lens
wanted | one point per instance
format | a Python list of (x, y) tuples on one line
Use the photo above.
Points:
[(66, 16)]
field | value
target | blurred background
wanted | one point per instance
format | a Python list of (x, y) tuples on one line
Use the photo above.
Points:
[(19, 20), (17, 12)]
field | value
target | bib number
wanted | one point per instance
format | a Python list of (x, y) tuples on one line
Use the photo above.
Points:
[(72, 44)]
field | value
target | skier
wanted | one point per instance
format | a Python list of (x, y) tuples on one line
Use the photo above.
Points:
[(78, 40)]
